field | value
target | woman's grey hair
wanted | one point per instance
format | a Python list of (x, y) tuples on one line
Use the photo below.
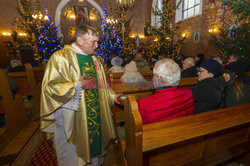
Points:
[(168, 71), (84, 29)]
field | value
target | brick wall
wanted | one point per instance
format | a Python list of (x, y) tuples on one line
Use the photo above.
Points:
[(142, 11)]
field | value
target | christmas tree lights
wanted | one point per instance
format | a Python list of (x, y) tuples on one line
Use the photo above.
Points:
[(234, 36), (41, 34), (165, 37), (110, 43), (48, 42)]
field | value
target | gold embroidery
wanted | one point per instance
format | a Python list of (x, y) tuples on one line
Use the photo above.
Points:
[(89, 69), (92, 103)]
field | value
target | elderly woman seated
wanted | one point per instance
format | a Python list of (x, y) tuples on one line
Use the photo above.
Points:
[(169, 101), (131, 75), (209, 93), (116, 65)]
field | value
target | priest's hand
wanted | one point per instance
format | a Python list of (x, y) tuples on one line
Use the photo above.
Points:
[(87, 83), (117, 97)]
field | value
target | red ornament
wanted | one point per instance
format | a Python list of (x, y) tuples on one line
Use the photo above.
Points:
[(212, 1)]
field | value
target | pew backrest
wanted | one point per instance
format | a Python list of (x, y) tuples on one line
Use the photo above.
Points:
[(13, 108), (191, 139), (115, 77), (25, 80), (27, 85), (38, 73), (139, 90)]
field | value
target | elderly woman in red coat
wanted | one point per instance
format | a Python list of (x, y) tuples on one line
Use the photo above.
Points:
[(169, 101)]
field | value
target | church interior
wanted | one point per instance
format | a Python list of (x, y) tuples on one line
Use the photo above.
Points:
[(131, 32)]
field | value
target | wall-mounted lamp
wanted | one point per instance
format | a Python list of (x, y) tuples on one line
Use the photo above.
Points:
[(92, 18), (6, 33), (22, 34), (72, 16), (213, 30), (184, 35), (141, 36), (9, 34)]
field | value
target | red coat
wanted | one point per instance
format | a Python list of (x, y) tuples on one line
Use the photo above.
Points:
[(166, 104)]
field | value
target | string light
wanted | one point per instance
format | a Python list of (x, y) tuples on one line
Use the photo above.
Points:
[(228, 42)]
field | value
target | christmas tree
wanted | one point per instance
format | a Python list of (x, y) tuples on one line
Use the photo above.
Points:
[(165, 37), (48, 43), (110, 43), (37, 26), (234, 36)]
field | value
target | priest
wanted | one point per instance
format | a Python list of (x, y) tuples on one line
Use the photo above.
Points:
[(76, 101)]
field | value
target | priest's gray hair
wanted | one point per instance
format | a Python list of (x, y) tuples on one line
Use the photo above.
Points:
[(84, 29), (168, 72)]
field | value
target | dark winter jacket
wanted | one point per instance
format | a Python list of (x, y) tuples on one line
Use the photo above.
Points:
[(189, 72), (209, 94), (231, 98)]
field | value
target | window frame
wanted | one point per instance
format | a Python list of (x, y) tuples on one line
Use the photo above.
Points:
[(179, 15), (188, 8), (155, 18)]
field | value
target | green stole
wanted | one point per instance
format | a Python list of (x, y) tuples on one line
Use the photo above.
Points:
[(87, 66)]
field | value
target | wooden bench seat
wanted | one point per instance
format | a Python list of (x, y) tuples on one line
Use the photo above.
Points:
[(115, 77), (202, 139), (27, 85), (38, 73), (140, 90), (13, 109)]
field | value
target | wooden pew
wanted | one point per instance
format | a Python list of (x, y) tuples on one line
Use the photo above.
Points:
[(1, 105), (140, 90), (148, 75), (27, 85), (38, 73), (115, 77), (201, 139), (13, 109)]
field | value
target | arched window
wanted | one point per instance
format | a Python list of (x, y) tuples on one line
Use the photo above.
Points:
[(156, 20)]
